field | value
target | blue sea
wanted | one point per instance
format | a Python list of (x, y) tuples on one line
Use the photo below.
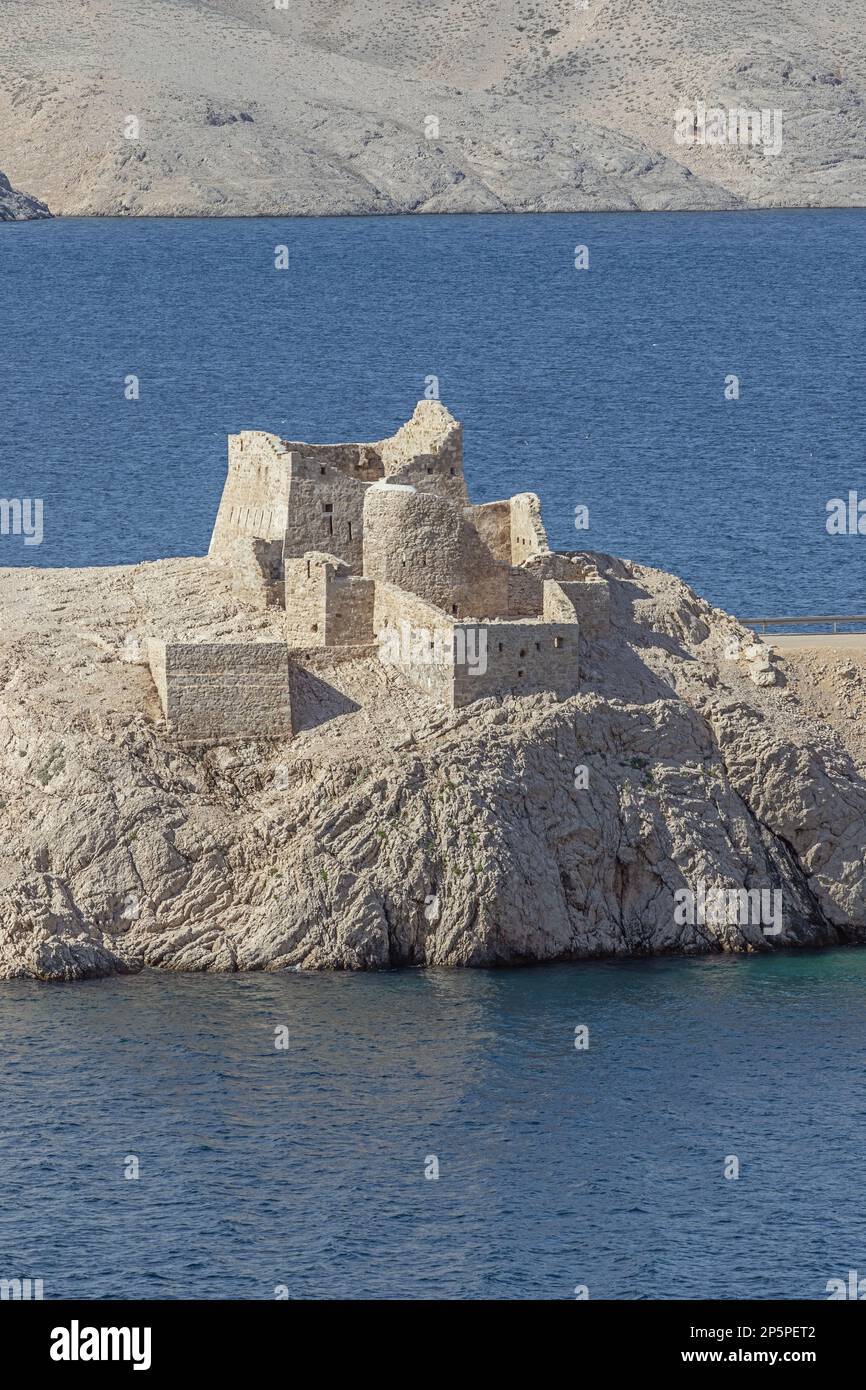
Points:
[(437, 1134), (603, 387), (302, 1171)]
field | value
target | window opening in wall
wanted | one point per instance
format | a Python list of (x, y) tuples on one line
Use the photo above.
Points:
[(308, 569), (538, 646), (322, 469), (454, 609), (315, 627), (330, 526), (452, 473), (500, 646), (350, 530), (557, 641), (329, 506), (520, 673), (522, 652)]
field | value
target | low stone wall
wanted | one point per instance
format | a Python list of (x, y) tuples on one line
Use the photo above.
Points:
[(223, 691)]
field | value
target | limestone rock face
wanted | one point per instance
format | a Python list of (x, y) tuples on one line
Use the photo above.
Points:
[(18, 207), (391, 832)]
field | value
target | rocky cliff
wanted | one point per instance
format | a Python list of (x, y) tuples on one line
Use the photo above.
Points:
[(392, 832), (18, 207)]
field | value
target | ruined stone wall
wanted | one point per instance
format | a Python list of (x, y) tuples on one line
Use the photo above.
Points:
[(326, 605), (256, 567), (472, 661), (325, 508), (349, 604), (528, 536), (223, 691), (525, 594), (521, 659), (585, 601), (360, 461), (304, 587), (423, 544), (406, 629), (492, 521), (427, 453), (255, 495)]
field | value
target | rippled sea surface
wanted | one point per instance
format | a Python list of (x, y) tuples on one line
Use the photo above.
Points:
[(305, 1167), (602, 387)]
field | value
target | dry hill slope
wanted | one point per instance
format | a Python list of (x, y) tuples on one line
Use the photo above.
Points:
[(244, 108)]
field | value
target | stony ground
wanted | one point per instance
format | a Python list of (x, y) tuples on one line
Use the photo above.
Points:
[(390, 832), (244, 107), (832, 680)]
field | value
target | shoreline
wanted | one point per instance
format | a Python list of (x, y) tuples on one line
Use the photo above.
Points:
[(439, 216)]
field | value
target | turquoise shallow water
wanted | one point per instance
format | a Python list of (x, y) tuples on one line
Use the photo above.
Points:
[(305, 1167), (603, 387)]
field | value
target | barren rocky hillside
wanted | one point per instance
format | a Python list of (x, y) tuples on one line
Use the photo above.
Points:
[(243, 107), (390, 831)]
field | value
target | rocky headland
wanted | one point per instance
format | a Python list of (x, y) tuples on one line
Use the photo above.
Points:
[(390, 832)]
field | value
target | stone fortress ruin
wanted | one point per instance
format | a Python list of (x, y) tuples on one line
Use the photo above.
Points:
[(375, 549)]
